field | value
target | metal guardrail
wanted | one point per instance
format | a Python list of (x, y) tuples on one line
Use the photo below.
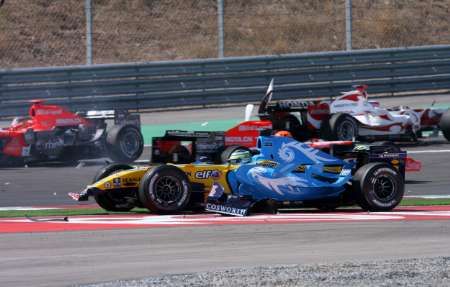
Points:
[(229, 80)]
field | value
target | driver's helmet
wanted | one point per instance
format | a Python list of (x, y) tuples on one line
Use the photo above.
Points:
[(283, 134), (240, 156)]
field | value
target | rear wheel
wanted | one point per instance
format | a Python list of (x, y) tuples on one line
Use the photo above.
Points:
[(444, 124), (378, 187), (165, 189), (124, 143), (112, 200), (342, 127)]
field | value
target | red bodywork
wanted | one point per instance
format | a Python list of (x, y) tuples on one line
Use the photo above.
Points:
[(42, 117), (246, 133)]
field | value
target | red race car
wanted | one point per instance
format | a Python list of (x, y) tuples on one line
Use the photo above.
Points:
[(53, 132)]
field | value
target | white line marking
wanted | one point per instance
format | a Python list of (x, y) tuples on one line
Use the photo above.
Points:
[(428, 151), (26, 208), (431, 196)]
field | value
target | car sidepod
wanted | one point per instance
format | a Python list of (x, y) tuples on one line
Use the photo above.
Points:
[(288, 170)]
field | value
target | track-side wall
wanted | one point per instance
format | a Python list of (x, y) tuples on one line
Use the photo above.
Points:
[(153, 85)]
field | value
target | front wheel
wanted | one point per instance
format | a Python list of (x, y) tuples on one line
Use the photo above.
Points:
[(444, 124), (165, 189), (378, 187), (112, 200)]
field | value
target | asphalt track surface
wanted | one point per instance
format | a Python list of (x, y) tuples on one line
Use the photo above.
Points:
[(78, 257), (68, 258), (49, 184)]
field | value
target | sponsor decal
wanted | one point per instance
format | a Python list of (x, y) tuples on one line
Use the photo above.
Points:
[(345, 105), (346, 172), (389, 155), (300, 168), (74, 121), (43, 112), (292, 103), (267, 163), (382, 170), (245, 128), (205, 174), (238, 139), (185, 193), (132, 181), (117, 181), (107, 185), (332, 169), (219, 208), (267, 143)]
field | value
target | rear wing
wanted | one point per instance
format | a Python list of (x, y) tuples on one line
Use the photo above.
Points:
[(384, 153), (120, 117), (177, 146), (288, 106), (267, 107)]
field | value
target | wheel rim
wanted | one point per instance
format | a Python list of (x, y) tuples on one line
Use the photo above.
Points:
[(168, 190), (130, 143), (346, 130), (384, 187)]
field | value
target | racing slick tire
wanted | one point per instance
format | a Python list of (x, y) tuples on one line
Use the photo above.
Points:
[(124, 143), (378, 187), (444, 124), (109, 200), (229, 150), (165, 189), (341, 127)]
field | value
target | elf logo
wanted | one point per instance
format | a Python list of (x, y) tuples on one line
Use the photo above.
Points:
[(204, 174)]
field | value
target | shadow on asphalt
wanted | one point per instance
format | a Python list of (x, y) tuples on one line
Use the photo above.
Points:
[(417, 181)]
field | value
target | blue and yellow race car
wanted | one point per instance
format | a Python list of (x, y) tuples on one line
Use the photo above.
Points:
[(281, 173)]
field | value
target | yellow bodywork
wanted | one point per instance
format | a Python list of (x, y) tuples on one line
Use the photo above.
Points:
[(196, 173)]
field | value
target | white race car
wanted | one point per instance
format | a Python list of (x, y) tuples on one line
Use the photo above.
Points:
[(352, 116)]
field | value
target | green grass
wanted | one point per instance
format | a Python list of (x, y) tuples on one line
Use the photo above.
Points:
[(424, 202), (99, 211), (64, 212)]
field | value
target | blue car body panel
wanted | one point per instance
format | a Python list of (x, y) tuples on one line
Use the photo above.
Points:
[(288, 170)]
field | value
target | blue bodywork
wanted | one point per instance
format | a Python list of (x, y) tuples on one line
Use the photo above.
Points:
[(288, 170)]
